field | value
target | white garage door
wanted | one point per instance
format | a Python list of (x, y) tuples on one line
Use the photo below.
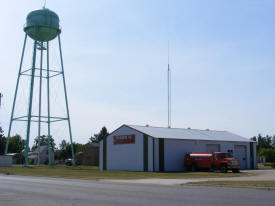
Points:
[(240, 154), (212, 148)]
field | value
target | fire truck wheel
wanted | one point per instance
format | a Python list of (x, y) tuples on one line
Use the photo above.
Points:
[(236, 170), (194, 168), (187, 168), (223, 168)]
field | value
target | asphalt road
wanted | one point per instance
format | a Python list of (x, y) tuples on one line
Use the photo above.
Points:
[(34, 191)]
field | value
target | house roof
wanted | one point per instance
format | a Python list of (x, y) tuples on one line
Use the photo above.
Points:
[(189, 134), (42, 148)]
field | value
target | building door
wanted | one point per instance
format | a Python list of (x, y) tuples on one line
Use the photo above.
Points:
[(240, 154), (212, 148)]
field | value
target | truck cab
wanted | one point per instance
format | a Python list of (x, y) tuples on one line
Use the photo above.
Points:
[(225, 161)]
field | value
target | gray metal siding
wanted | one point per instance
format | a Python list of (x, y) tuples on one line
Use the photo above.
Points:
[(156, 155), (175, 151), (240, 153), (255, 155), (127, 157), (101, 155), (5, 161), (161, 155), (213, 148), (150, 154)]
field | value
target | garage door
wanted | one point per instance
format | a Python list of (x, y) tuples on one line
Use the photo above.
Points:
[(240, 154), (212, 148)]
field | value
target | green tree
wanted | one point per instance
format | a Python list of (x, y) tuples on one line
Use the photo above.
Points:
[(65, 150), (16, 144), (268, 153), (273, 141), (98, 137), (61, 153), (2, 141), (43, 141), (262, 142)]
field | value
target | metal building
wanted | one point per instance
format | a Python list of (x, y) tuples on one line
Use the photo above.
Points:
[(146, 148)]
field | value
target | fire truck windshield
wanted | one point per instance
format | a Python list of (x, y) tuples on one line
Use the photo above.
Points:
[(224, 155)]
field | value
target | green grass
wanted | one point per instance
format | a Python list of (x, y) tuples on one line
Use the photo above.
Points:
[(266, 184), (265, 166), (88, 172)]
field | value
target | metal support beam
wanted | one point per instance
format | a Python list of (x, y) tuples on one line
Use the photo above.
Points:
[(48, 99), (19, 118), (55, 75), (26, 71), (34, 75), (55, 71), (66, 99), (40, 97), (30, 104), (58, 120), (15, 95)]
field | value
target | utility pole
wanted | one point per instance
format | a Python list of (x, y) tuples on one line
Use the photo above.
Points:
[(169, 88)]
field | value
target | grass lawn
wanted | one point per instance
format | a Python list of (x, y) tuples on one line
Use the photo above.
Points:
[(266, 184), (265, 166), (88, 172)]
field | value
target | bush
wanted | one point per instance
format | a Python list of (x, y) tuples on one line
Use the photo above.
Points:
[(19, 158), (268, 153), (31, 161)]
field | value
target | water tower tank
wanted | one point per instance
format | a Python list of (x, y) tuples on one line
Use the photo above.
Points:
[(42, 25)]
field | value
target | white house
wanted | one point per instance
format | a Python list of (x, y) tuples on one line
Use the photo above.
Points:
[(146, 148), (43, 155)]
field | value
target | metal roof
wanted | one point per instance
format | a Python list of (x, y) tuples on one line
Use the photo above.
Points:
[(189, 134)]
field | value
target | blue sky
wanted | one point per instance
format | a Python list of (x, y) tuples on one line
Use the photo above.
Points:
[(115, 56)]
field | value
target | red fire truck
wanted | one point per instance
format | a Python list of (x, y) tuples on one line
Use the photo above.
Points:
[(222, 161)]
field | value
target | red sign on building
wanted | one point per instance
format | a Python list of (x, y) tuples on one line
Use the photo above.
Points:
[(124, 139)]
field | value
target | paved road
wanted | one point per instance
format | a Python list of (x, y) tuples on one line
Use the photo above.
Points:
[(34, 191)]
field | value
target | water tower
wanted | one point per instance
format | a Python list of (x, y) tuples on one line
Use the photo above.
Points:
[(42, 26)]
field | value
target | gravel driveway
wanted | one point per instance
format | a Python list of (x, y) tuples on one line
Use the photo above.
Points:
[(260, 175)]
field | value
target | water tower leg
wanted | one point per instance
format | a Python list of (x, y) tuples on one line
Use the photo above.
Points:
[(48, 99), (30, 104), (40, 94), (66, 99), (15, 95)]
